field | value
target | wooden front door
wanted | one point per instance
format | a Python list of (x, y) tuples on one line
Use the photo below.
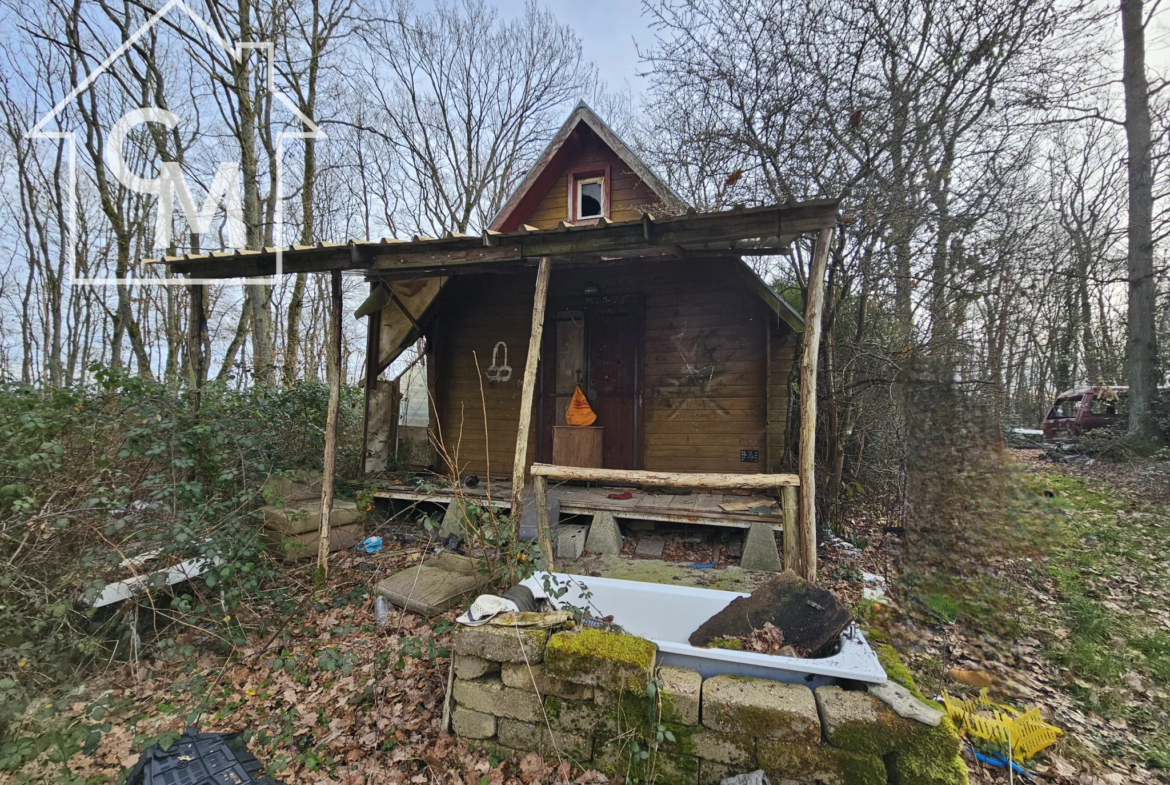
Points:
[(599, 346)]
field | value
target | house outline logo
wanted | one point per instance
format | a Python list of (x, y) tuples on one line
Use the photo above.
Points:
[(237, 52)]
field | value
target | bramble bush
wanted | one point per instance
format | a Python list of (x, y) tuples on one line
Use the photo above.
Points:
[(93, 476)]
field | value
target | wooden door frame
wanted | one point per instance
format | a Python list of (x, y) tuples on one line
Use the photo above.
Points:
[(590, 304)]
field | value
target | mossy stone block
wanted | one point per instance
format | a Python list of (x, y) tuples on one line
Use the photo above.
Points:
[(471, 724), (727, 748), (618, 758), (489, 696), (785, 761), (534, 678), (681, 691), (468, 666), (502, 644), (535, 737), (712, 773), (601, 659), (761, 708), (583, 718)]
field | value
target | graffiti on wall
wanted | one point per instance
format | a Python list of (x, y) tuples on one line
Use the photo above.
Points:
[(499, 370)]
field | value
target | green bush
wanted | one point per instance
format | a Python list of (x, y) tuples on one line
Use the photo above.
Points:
[(91, 477)]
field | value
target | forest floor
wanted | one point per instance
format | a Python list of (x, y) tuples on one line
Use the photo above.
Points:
[(337, 700)]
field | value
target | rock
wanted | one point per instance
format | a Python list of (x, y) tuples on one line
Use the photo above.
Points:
[(520, 676), (488, 695), (604, 535), (502, 644), (810, 617), (468, 666), (471, 724), (602, 659), (530, 737), (571, 541), (681, 691), (454, 519), (759, 549), (905, 704), (761, 708)]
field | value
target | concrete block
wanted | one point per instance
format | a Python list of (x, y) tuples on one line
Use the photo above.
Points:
[(759, 549), (468, 666), (712, 773), (798, 762), (667, 768), (471, 724), (571, 541), (520, 676), (728, 748), (838, 708), (502, 644), (761, 708), (488, 695), (615, 662), (581, 718), (535, 737), (454, 520), (681, 691), (604, 535)]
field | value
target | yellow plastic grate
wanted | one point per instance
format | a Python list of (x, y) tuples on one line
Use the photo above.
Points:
[(1025, 733)]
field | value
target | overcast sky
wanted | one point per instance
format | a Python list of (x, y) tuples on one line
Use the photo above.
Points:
[(608, 29)]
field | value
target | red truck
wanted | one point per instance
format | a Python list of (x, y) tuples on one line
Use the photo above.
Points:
[(1083, 409)]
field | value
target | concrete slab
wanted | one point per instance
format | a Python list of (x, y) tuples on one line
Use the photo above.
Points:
[(650, 546), (426, 590)]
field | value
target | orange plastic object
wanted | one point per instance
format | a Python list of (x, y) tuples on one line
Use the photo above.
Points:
[(579, 412)]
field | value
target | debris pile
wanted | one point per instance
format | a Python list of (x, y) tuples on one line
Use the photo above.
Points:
[(785, 616)]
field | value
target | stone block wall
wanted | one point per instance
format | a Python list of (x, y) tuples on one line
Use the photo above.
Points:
[(583, 695)]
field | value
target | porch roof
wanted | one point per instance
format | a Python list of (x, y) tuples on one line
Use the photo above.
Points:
[(739, 231)]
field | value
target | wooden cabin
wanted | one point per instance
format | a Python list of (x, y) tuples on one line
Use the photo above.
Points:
[(596, 275), (686, 359)]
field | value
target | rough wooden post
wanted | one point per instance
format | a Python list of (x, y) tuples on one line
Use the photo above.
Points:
[(196, 362), (543, 535), (528, 388), (791, 529), (813, 308), (333, 367)]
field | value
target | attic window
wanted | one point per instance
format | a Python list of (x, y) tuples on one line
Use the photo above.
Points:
[(590, 198)]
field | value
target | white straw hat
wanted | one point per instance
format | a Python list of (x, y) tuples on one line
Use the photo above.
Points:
[(485, 607)]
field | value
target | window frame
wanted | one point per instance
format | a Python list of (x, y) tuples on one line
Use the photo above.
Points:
[(578, 177)]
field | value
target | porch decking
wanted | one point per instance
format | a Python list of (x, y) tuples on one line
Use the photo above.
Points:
[(697, 507)]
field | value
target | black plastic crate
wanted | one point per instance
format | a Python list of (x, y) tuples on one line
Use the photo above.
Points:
[(199, 759)]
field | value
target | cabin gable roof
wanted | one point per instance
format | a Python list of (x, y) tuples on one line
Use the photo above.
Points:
[(583, 130)]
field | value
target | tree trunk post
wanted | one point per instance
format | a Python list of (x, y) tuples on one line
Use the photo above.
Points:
[(813, 309), (543, 529), (791, 528), (333, 364), (196, 329), (528, 388)]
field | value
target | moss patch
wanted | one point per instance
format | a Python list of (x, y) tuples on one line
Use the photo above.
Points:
[(603, 659), (783, 762), (734, 644)]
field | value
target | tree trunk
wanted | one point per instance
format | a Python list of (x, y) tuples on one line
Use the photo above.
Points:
[(1142, 347)]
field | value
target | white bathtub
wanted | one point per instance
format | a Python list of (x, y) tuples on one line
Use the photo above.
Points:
[(668, 615)]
